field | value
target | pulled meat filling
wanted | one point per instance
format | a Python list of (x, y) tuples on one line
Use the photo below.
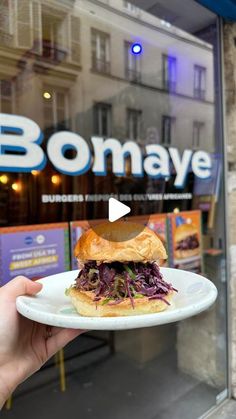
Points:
[(115, 281)]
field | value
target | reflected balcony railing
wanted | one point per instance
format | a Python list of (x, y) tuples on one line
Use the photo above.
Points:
[(199, 94), (101, 66), (133, 75), (52, 52)]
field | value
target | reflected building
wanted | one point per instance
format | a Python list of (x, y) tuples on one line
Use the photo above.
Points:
[(69, 65)]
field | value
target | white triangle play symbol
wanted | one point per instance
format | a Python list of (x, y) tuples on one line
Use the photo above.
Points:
[(116, 209)]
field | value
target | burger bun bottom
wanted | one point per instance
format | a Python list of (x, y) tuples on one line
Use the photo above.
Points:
[(85, 306)]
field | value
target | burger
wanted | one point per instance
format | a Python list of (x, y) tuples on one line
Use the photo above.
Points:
[(186, 241), (119, 272)]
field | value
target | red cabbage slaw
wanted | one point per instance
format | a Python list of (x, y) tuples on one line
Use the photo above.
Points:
[(113, 282)]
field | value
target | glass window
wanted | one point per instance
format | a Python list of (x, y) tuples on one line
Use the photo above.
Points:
[(102, 119), (167, 129), (55, 104), (132, 64), (134, 124), (169, 72), (6, 96), (198, 132), (75, 39), (5, 21), (23, 24), (199, 82), (100, 51)]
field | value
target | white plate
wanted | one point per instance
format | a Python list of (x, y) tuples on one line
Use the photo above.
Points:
[(51, 306)]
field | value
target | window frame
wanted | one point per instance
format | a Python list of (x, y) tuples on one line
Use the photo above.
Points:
[(132, 63), (172, 121), (198, 91), (168, 83), (55, 90), (97, 119), (13, 94), (197, 128), (137, 113), (97, 64)]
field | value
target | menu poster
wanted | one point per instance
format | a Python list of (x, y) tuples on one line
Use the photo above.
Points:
[(34, 251), (185, 240)]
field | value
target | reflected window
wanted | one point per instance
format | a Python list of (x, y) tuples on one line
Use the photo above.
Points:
[(102, 119), (74, 51), (132, 64), (199, 82), (134, 124), (22, 23), (53, 34), (198, 132), (55, 104), (168, 123), (6, 96), (100, 51), (169, 67), (56, 35)]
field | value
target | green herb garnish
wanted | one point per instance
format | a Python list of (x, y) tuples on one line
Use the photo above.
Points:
[(106, 301), (67, 290), (130, 272)]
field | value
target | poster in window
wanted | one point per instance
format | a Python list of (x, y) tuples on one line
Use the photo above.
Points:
[(185, 240), (34, 251)]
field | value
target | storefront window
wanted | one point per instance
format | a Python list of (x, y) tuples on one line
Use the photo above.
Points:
[(141, 125)]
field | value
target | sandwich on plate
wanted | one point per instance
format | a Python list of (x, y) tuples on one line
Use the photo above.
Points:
[(119, 272)]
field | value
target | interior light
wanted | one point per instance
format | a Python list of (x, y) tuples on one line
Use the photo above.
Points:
[(16, 186), (47, 95), (55, 179), (4, 179), (136, 48), (176, 210)]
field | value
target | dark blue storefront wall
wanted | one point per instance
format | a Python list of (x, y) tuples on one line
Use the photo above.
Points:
[(224, 8)]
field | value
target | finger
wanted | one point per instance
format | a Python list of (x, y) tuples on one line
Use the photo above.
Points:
[(55, 330), (20, 286), (58, 341)]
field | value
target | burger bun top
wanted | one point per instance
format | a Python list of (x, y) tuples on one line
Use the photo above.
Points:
[(120, 241)]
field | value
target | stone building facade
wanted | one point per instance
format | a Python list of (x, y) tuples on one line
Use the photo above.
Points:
[(229, 32)]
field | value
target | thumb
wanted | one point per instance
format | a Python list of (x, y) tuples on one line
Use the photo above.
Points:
[(20, 286)]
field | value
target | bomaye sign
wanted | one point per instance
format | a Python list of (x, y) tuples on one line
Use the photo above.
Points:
[(22, 137)]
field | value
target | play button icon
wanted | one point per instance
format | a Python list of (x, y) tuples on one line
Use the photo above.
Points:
[(110, 228), (116, 210)]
